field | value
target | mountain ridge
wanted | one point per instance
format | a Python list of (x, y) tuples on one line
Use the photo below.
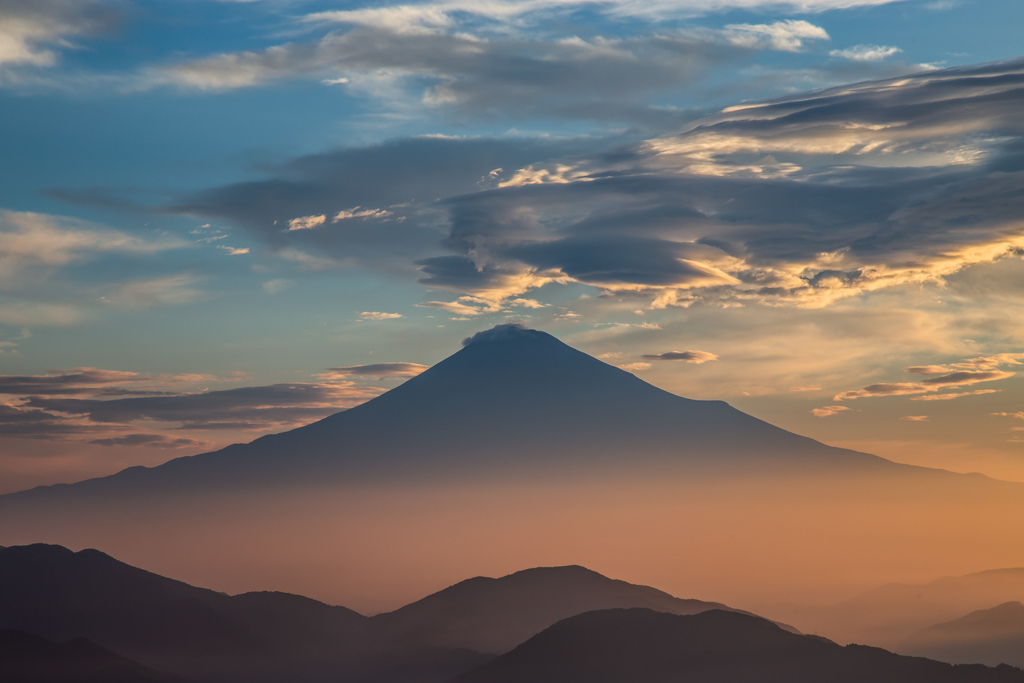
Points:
[(555, 406)]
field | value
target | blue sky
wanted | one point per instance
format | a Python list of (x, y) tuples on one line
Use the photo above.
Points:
[(223, 211)]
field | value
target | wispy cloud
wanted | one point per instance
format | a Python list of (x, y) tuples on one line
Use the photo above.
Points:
[(790, 35), (379, 315), (274, 406), (374, 370), (687, 356), (866, 53), (33, 33), (35, 240), (940, 377), (828, 411)]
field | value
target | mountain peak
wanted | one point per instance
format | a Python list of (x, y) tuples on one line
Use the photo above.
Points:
[(513, 331)]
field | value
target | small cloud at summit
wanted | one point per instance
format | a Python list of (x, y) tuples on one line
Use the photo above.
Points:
[(500, 333)]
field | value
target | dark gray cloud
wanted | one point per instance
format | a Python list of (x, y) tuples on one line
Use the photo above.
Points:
[(809, 199), (803, 200), (503, 75), (966, 377), (24, 422), (394, 183), (687, 356), (80, 381), (150, 441), (246, 407), (614, 261)]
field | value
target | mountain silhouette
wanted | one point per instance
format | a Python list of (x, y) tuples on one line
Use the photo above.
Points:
[(510, 398), (643, 646), (26, 658), (495, 615), (203, 635), (989, 636), (58, 594)]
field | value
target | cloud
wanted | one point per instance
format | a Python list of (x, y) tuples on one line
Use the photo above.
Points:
[(966, 377), (866, 53), (162, 291), (475, 60), (805, 200), (950, 397), (375, 370), (406, 176), (790, 35), (359, 212), (915, 418), (928, 369), (277, 285), (828, 411), (22, 422), (150, 441), (502, 333), (263, 407), (306, 222), (633, 367), (940, 381), (33, 32), (34, 241), (92, 381), (378, 315), (688, 356)]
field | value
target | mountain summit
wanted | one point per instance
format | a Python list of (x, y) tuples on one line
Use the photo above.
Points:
[(512, 397)]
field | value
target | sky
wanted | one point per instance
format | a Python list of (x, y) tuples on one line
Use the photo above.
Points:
[(225, 219)]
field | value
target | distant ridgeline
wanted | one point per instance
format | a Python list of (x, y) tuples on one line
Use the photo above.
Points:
[(64, 615)]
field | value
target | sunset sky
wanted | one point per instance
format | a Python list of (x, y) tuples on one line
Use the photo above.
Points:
[(224, 219)]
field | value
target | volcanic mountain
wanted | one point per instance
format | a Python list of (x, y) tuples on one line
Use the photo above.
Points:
[(511, 398)]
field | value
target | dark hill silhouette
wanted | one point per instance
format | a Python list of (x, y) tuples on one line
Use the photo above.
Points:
[(511, 397), (495, 615), (204, 635), (990, 636), (26, 658), (58, 594), (643, 646)]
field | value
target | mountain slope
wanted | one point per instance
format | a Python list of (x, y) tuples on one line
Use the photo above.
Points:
[(495, 615), (510, 398), (53, 592), (642, 646), (989, 636)]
